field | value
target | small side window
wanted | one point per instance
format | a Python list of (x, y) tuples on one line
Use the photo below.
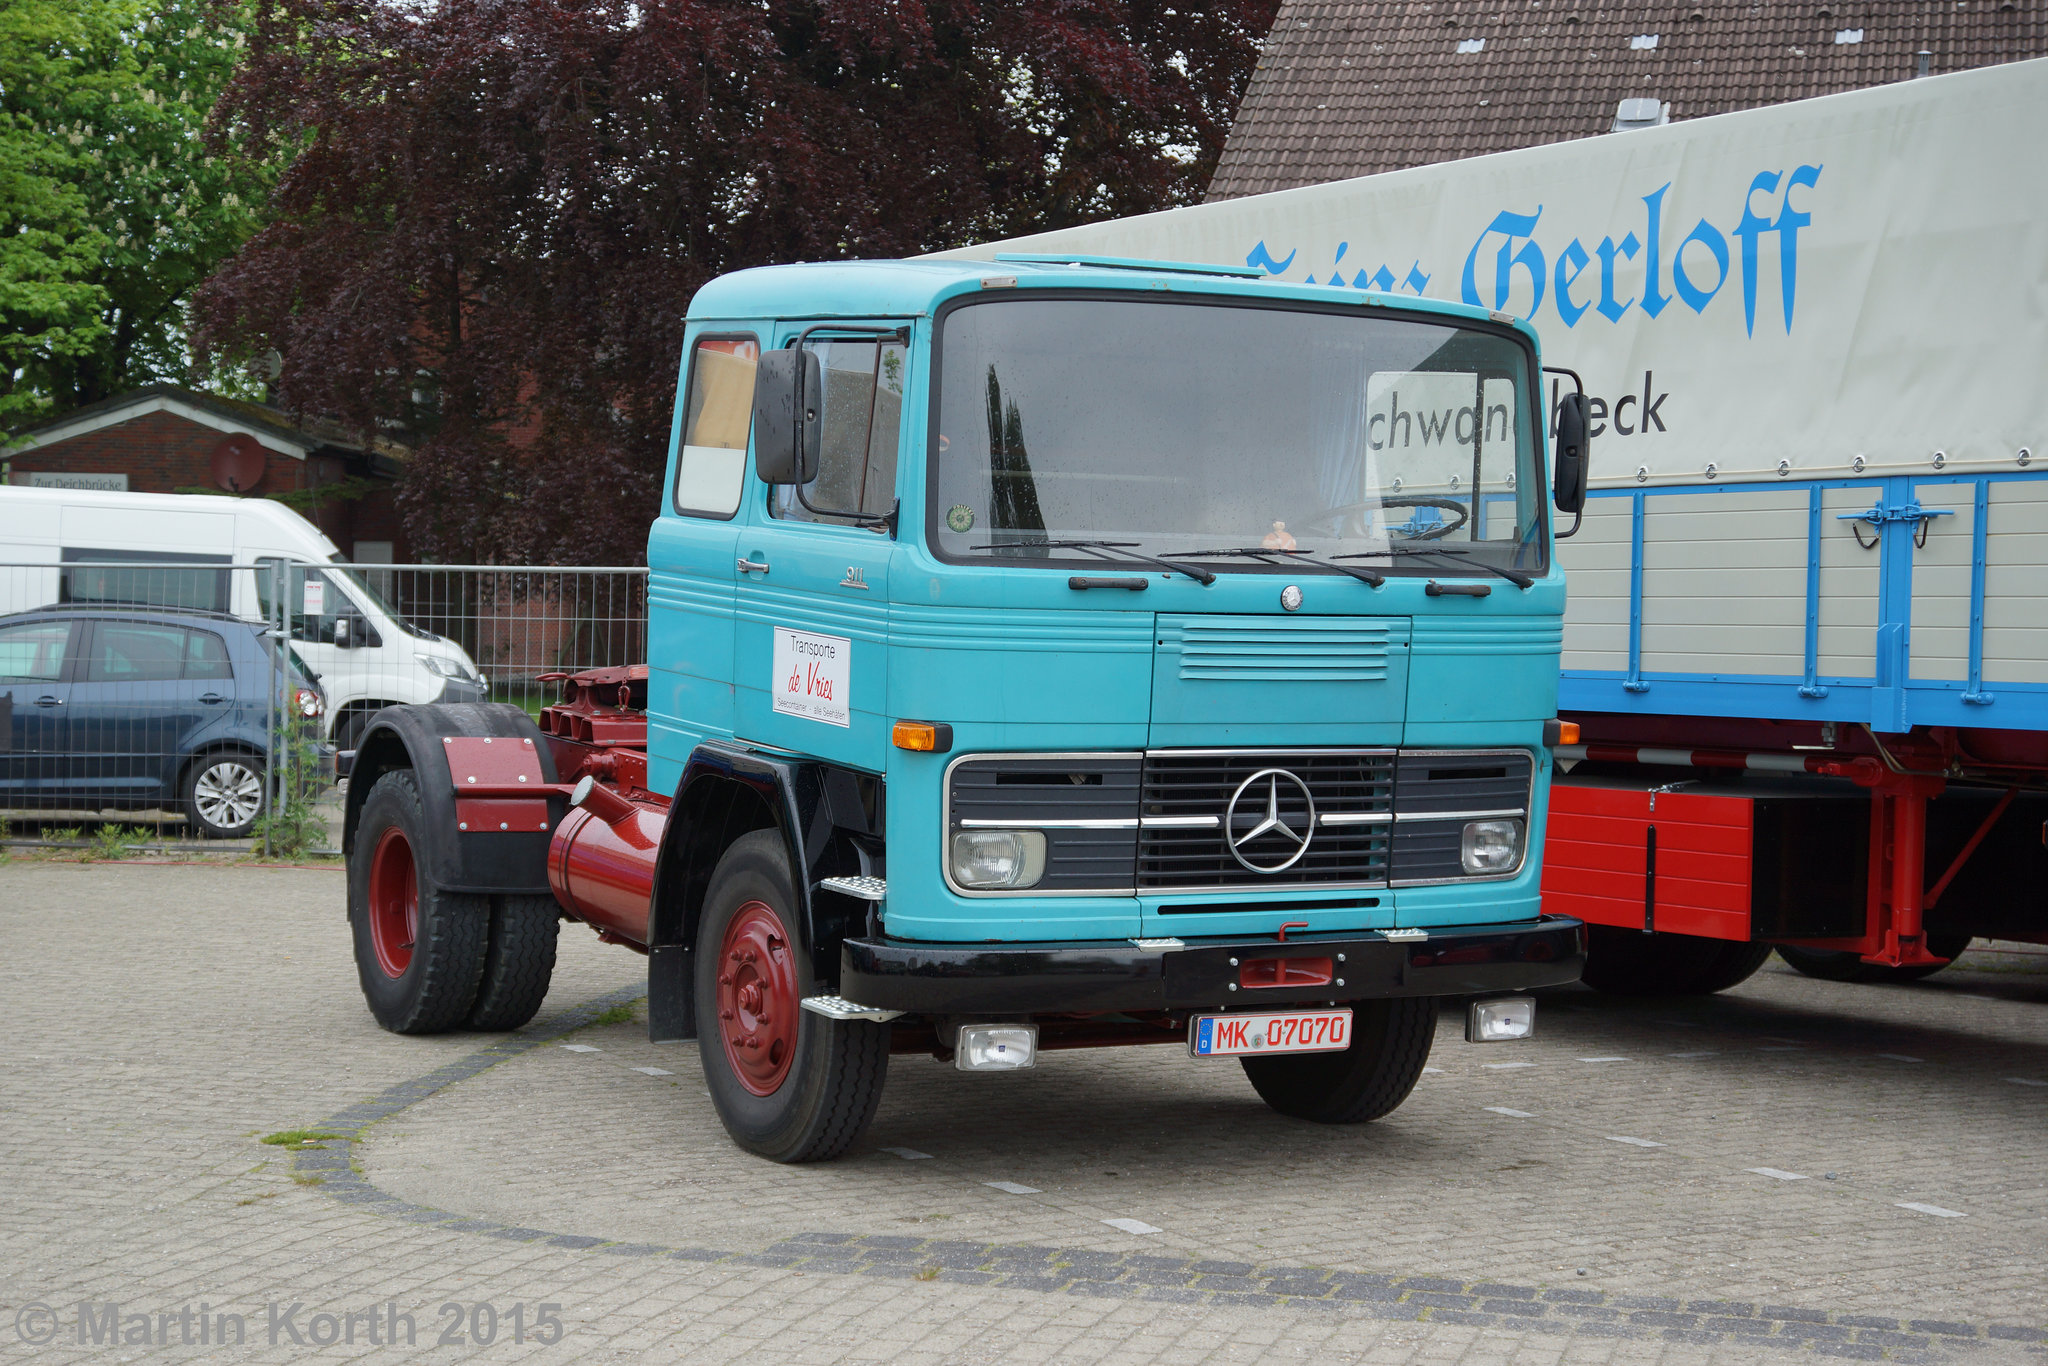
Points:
[(711, 468), (206, 656), (862, 384)]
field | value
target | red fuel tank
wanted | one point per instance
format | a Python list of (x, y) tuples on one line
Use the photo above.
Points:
[(602, 866)]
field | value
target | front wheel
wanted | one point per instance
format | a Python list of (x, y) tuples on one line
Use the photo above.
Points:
[(789, 1085), (1390, 1042)]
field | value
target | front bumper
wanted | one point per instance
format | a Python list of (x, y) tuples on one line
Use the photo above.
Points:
[(1125, 975)]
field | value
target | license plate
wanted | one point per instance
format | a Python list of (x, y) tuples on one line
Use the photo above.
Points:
[(1273, 1031)]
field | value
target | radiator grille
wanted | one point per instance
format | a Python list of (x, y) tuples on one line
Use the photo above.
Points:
[(1195, 786)]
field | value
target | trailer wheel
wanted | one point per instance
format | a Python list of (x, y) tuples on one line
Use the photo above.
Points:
[(519, 959), (789, 1085), (1630, 963), (1835, 965), (1389, 1044), (419, 950)]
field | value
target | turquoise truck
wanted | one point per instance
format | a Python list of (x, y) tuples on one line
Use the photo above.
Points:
[(1045, 653)]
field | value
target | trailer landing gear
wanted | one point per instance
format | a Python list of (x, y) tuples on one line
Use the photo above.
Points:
[(789, 1084), (1834, 965)]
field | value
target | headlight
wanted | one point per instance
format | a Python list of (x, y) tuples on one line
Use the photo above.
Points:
[(1490, 846), (446, 668), (998, 858)]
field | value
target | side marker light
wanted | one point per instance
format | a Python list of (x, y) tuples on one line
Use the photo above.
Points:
[(924, 737)]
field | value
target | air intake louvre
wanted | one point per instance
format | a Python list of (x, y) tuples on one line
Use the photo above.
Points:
[(1307, 651)]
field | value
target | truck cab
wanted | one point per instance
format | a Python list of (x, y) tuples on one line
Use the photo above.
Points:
[(1057, 652)]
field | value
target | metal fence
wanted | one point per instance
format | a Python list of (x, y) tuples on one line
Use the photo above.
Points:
[(148, 700)]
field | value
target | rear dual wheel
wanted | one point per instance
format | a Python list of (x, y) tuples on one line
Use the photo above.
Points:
[(789, 1085), (1832, 965), (428, 959), (1631, 963)]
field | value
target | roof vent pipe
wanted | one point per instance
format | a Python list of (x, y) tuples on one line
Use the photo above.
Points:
[(1922, 60)]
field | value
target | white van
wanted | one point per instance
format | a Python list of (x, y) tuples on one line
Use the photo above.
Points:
[(366, 654)]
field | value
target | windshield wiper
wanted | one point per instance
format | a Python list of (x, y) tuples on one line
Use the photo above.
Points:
[(1513, 576), (1260, 552), (1122, 548)]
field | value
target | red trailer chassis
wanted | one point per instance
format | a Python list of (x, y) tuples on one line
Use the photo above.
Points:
[(1801, 834)]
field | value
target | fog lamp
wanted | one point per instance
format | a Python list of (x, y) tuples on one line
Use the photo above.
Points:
[(1501, 1019), (996, 1047), (1490, 846), (998, 858)]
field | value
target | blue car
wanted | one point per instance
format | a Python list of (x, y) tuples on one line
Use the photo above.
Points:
[(136, 708)]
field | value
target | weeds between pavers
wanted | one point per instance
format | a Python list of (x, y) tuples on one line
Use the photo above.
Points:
[(298, 1140)]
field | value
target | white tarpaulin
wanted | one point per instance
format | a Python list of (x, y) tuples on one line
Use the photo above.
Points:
[(1862, 276)]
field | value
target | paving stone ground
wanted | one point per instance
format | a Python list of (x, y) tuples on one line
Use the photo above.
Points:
[(164, 1018)]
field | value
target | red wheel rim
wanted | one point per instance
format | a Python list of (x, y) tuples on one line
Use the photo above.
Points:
[(757, 998), (394, 902)]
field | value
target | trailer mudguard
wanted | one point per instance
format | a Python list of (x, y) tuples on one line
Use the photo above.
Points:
[(831, 820), (508, 852)]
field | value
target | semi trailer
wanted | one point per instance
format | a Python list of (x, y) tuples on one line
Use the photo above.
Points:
[(1807, 637), (1042, 655)]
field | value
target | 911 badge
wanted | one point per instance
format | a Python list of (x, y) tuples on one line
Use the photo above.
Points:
[(813, 677)]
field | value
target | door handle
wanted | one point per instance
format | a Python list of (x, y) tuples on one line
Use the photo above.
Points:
[(48, 701), (211, 698), (753, 566)]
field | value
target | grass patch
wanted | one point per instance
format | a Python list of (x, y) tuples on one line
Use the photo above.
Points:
[(930, 1273), (70, 834), (617, 1015), (266, 1195), (109, 842), (302, 1179), (298, 1140)]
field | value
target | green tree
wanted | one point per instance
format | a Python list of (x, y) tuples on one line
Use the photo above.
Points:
[(112, 205)]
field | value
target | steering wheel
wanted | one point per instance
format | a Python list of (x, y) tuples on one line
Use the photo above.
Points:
[(1328, 519)]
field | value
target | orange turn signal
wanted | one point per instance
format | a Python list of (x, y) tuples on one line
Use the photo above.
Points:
[(925, 737), (1567, 732)]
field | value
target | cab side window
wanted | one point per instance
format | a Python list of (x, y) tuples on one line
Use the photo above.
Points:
[(711, 468), (862, 388)]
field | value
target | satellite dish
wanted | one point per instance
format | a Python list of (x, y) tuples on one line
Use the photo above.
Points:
[(238, 463)]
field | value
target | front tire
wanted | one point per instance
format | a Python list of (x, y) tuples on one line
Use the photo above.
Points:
[(420, 951), (223, 794), (789, 1085), (1390, 1042), (1630, 963)]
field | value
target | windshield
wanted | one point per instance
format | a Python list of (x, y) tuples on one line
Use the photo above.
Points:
[(1400, 444)]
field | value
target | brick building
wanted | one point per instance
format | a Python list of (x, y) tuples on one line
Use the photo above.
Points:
[(167, 439)]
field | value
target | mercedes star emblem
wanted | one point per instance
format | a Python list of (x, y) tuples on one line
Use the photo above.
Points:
[(1290, 598), (1268, 822)]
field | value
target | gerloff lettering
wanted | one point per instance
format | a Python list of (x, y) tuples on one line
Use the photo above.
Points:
[(1508, 267)]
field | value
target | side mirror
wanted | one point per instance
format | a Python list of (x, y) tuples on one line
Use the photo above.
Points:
[(1570, 454), (788, 408), (342, 640)]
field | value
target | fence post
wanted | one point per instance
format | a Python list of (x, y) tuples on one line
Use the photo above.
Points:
[(280, 635)]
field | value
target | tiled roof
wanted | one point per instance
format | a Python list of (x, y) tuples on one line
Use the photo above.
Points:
[(1352, 87)]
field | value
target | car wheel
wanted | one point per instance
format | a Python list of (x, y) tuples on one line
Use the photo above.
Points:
[(224, 794)]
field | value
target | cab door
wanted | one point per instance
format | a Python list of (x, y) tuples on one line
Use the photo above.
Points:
[(812, 631), (691, 550)]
